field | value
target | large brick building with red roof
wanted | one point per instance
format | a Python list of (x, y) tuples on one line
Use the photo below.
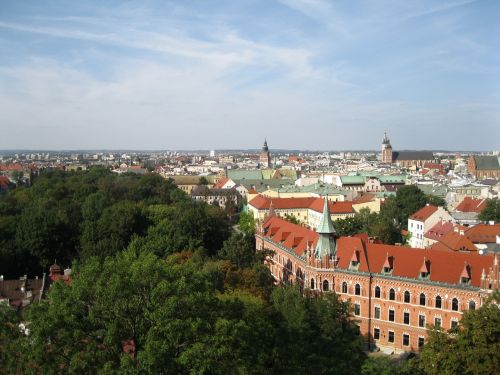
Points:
[(396, 291)]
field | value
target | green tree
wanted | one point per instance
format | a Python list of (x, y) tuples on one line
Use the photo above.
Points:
[(292, 219), (239, 249), (168, 310), (203, 181), (329, 338), (472, 348), (491, 212), (247, 223)]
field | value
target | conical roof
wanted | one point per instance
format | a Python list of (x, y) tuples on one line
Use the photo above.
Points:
[(326, 225)]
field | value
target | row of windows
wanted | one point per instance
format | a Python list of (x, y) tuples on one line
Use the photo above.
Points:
[(391, 337), (406, 318)]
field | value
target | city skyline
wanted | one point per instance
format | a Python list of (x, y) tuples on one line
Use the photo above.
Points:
[(305, 74)]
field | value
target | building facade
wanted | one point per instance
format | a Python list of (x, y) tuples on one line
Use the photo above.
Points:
[(265, 156), (396, 292), (484, 166)]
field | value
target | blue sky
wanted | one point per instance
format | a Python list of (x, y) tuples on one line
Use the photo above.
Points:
[(306, 74)]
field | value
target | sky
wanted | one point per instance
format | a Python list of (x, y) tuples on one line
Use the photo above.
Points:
[(210, 74)]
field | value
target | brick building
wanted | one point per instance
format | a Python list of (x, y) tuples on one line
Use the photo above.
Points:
[(484, 167), (395, 291)]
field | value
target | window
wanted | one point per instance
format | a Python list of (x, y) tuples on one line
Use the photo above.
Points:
[(344, 287), (421, 342), (357, 309), (437, 322), (421, 320), (422, 299), (406, 317), (391, 336), (391, 315), (406, 339), (454, 304), (357, 290), (376, 333), (377, 292), (438, 302), (472, 305), (392, 294), (312, 283), (454, 323), (325, 285), (407, 297), (377, 312)]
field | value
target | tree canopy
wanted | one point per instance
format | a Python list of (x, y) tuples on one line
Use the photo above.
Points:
[(491, 212)]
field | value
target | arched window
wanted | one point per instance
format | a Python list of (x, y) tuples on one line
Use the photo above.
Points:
[(312, 283), (377, 292), (472, 305), (357, 290), (438, 302), (344, 287), (407, 297), (325, 285), (422, 299), (392, 294), (454, 304)]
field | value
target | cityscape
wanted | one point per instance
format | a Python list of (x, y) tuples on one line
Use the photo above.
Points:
[(231, 188)]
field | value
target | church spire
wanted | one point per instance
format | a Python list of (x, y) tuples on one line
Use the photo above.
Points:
[(326, 243)]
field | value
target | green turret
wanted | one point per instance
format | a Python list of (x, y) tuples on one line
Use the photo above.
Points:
[(326, 243)]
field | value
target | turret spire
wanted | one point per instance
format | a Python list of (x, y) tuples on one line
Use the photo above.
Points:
[(326, 243)]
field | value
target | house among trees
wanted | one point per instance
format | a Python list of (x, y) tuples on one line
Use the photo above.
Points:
[(396, 291)]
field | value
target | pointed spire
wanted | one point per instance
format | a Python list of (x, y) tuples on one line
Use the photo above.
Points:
[(326, 225), (326, 243)]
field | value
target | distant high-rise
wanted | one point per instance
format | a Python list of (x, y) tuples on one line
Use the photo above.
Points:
[(265, 156), (386, 155)]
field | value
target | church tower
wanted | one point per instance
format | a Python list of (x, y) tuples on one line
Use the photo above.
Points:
[(326, 242), (386, 155), (265, 156)]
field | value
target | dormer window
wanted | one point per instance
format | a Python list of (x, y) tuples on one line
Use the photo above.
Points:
[(388, 265), (425, 270), (354, 265), (465, 276)]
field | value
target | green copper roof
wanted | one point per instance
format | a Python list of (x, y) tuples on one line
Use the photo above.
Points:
[(326, 243), (347, 180), (487, 162), (326, 225)]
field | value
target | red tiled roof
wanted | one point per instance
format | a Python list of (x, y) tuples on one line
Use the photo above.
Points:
[(365, 198), (454, 241), (263, 203), (439, 230), (434, 166), (11, 167), (292, 236), (334, 207), (483, 233), (424, 213), (252, 191), (220, 184), (445, 266), (469, 204)]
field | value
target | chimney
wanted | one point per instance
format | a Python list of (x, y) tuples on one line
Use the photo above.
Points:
[(491, 222)]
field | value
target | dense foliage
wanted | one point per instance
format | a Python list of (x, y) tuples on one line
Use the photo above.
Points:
[(68, 216), (491, 212), (159, 285), (473, 346)]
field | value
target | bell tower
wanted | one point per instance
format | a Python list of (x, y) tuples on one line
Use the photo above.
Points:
[(265, 156), (386, 154)]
